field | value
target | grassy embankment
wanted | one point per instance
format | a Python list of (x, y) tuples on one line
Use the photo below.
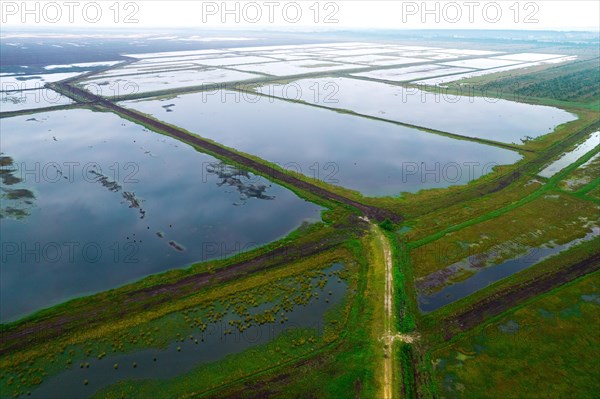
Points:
[(502, 225), (427, 201), (350, 368), (517, 209), (344, 368), (359, 379), (547, 347), (189, 315)]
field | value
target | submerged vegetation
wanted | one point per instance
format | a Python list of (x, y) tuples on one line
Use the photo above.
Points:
[(17, 201), (228, 309), (550, 339), (331, 310)]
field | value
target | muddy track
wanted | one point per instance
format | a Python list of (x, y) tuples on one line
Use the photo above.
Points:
[(388, 308), (416, 359), (277, 257), (141, 299), (369, 211), (512, 296), (268, 387)]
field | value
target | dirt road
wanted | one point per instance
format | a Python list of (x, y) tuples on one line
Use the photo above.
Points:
[(388, 321)]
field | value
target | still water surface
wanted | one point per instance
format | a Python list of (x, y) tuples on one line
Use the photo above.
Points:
[(91, 201)]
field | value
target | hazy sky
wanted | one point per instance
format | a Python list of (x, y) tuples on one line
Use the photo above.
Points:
[(500, 14)]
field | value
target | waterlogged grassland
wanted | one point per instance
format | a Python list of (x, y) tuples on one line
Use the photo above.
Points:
[(345, 360), (430, 323), (546, 348), (582, 176), (554, 218), (575, 82), (595, 192), (342, 365), (433, 222), (570, 83), (23, 370), (202, 381), (289, 346), (347, 367), (433, 210)]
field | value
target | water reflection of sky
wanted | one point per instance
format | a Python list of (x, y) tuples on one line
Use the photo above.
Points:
[(464, 114), (179, 199), (373, 157)]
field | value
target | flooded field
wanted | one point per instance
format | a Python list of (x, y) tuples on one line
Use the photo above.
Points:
[(224, 330), (29, 82), (373, 157), (527, 57), (91, 201), (379, 60), (543, 336), (481, 63), (583, 175), (31, 99), (61, 67), (492, 119), (165, 80), (437, 289), (299, 67), (411, 73), (569, 157), (442, 81)]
